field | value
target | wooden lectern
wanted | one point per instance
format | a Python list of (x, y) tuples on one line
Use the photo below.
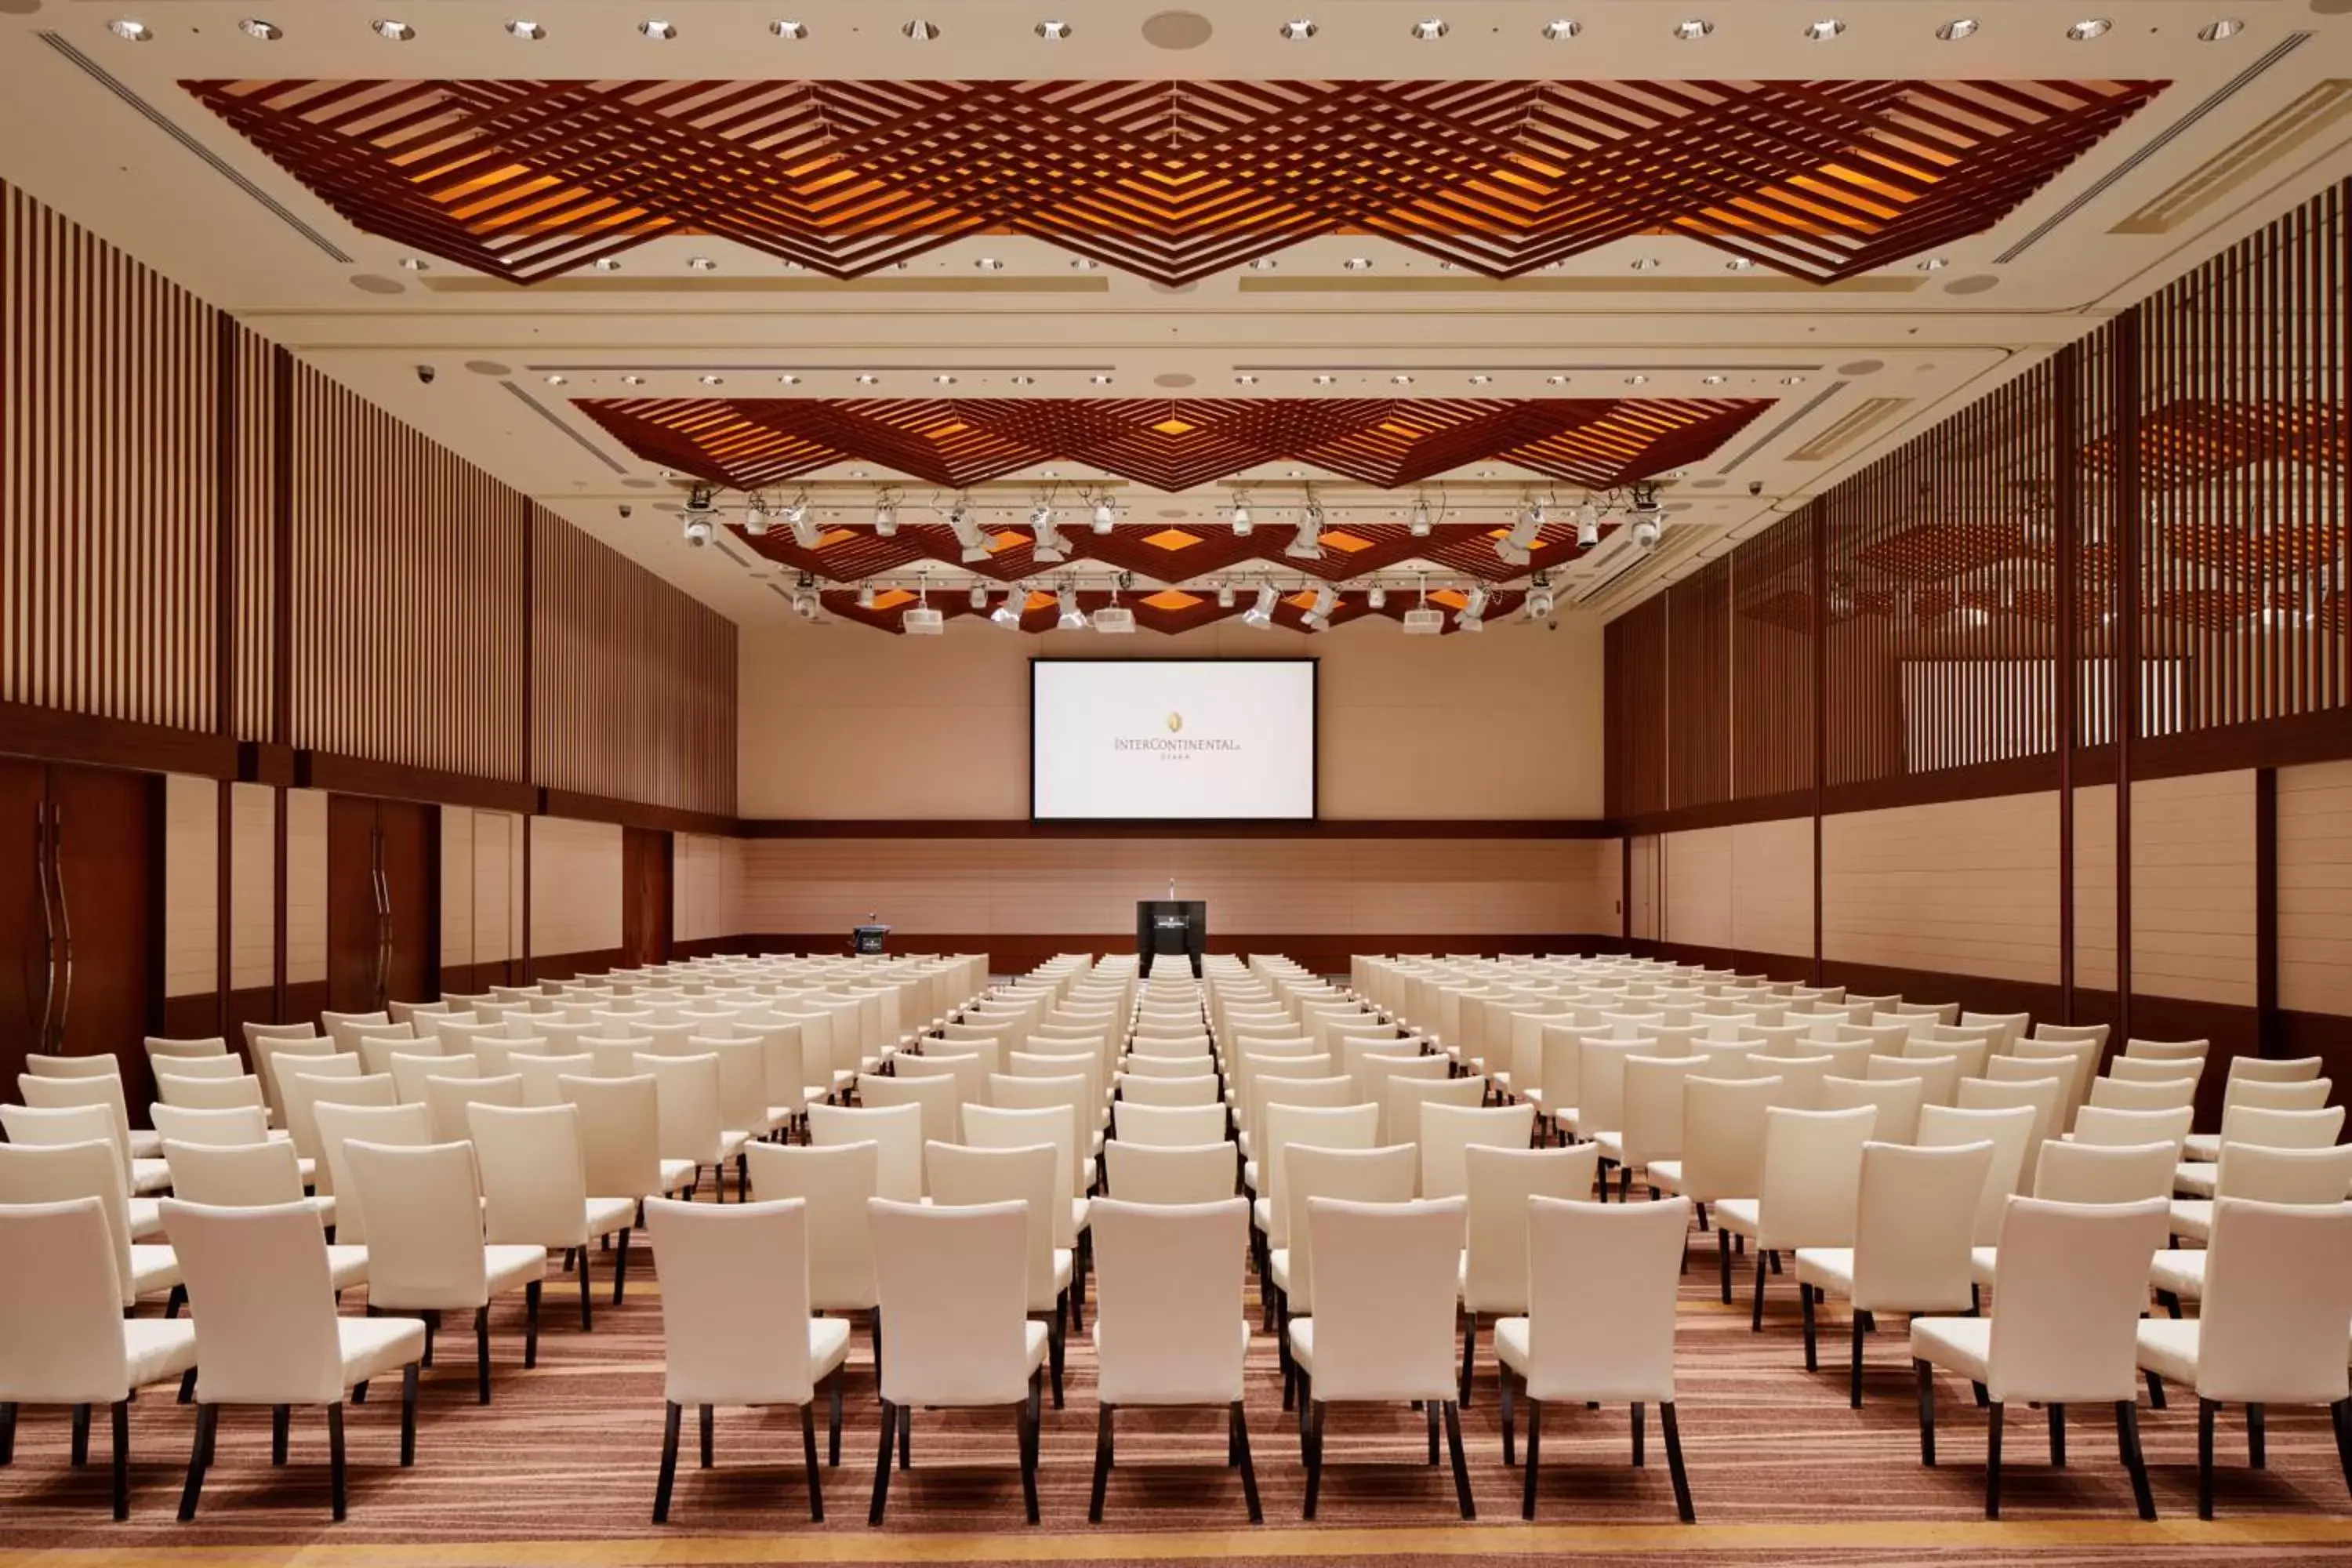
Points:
[(1170, 926)]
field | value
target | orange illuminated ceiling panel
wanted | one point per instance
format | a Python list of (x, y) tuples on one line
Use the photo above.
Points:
[(1174, 180)]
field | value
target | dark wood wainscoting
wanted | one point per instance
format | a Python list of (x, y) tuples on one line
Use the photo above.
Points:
[(1015, 954)]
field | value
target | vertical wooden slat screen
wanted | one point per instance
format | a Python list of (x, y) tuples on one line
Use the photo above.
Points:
[(1634, 710), (408, 593), (1699, 687), (108, 472), (634, 684), (1771, 662), (256, 648)]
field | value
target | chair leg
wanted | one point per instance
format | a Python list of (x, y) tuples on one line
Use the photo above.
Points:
[(808, 1453), (2057, 1436), (1992, 1464), (1675, 1462), (833, 1418), (80, 1435), (1535, 1454), (587, 1298), (670, 1417), (906, 1438), (1756, 1316), (1102, 1463), (1310, 1411), (1509, 1417), (2206, 1409), (620, 1267), (1306, 1416), (1853, 1383), (1469, 1355), (529, 1326), (1461, 1460), (1926, 1411), (2127, 1439), (198, 1455), (1239, 1422), (882, 1465), (874, 1328), (176, 1300), (338, 1479), (280, 1420), (120, 1410), (187, 1392), (2340, 1412), (7, 1432), (1805, 1307), (482, 1352), (2156, 1400), (1028, 1426), (408, 1415), (2255, 1455), (1054, 1346), (703, 1413), (1640, 1433), (1429, 1409), (1723, 1261)]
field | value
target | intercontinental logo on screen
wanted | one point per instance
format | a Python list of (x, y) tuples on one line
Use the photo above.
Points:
[(1175, 745)]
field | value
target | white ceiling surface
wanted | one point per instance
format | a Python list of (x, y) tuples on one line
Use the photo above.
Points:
[(1904, 333)]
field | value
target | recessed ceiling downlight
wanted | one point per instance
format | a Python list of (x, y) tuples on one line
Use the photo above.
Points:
[(920, 31), (528, 31), (2089, 27), (392, 30), (656, 29), (1299, 30), (1560, 29), (130, 31), (261, 27)]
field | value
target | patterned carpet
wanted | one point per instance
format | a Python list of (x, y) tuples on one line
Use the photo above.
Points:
[(561, 1469)]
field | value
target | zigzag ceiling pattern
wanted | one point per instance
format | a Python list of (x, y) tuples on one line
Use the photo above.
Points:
[(1170, 443), (1170, 612), (527, 180)]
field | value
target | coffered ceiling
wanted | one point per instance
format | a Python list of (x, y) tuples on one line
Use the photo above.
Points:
[(1462, 255)]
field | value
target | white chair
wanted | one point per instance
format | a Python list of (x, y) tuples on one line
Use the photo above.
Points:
[(63, 1337), (426, 1250), (450, 1102), (693, 1124), (1601, 1346), (2073, 1281), (210, 1067), (2043, 1096), (1498, 1182), (1723, 1150), (1169, 1328), (1382, 1175), (897, 1133), (543, 1076), (2267, 1176), (2125, 1094), (535, 1191), (257, 1175), (1897, 1099), (141, 1172), (38, 1173), (268, 1333), (964, 1177), (1167, 1126), (1141, 1173), (410, 1072), (1809, 1191), (2314, 1129), (736, 1326), (2008, 1129), (953, 1283), (207, 1093), (1651, 1128), (1914, 1227), (2278, 1292), (833, 1185), (1407, 1096), (620, 1137), (1448, 1132), (1387, 1276)]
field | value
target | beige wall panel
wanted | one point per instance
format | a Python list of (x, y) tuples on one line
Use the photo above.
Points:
[(1697, 875), (2095, 888), (1646, 914), (1772, 886), (1502, 726), (306, 885), (1964, 886), (252, 885), (2193, 888), (706, 886), (575, 886), (456, 886), (498, 865), (191, 886), (2314, 891)]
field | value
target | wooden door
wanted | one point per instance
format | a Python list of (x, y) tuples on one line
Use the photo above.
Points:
[(411, 865), (106, 876), (646, 895), (25, 915), (383, 903)]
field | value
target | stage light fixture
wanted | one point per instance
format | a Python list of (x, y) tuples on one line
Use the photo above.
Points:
[(1071, 618), (805, 531), (1308, 543), (1472, 617), (1513, 548), (969, 534), (1260, 614)]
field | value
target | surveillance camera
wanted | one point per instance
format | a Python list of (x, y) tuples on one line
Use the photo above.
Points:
[(625, 509), (1756, 487), (425, 372)]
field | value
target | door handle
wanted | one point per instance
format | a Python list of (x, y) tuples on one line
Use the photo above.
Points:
[(64, 917), (48, 921)]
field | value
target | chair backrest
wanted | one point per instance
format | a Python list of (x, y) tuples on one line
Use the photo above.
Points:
[(1897, 1099), (76, 1067), (411, 1073), (2277, 1293), (378, 1051), (2101, 1173), (61, 1305), (2184, 1051), (159, 1048), (1800, 1080), (208, 1093), (449, 1100), (1499, 1183), (2300, 1094), (962, 1177), (1651, 1128), (1386, 1282), (1940, 1073), (1811, 1176), (1612, 1346), (61, 1173), (2010, 1131), (1563, 1060), (407, 1126), (896, 1133), (1408, 1097), (2070, 1033), (833, 1184), (1323, 1126), (346, 1027), (242, 1125), (999, 1127), (1915, 1224), (1268, 1088), (259, 1174), (2073, 1282), (533, 1171), (2273, 1069), (1383, 1176), (2155, 1069), (2282, 1129), (264, 1306), (1449, 1132), (2123, 1094), (1167, 1126), (735, 1301), (2080, 1059), (1141, 1174), (1168, 1291), (1723, 1136), (82, 1093), (425, 1224), (1190, 1088), (2100, 1124), (218, 1066), (620, 1133), (2042, 1095), (953, 1285), (543, 1076), (2284, 1175), (692, 1127), (1600, 1079)]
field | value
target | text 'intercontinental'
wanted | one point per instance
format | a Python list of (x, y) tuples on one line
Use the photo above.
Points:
[(1175, 743)]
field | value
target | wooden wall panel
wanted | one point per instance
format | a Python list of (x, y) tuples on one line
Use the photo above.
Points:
[(1697, 884), (108, 467), (634, 694), (707, 885), (1965, 887), (1634, 661), (2193, 888), (575, 887), (2315, 887), (1262, 887), (2094, 886), (1772, 886), (253, 529), (252, 874), (407, 594), (192, 932), (1699, 687), (1771, 712), (306, 887)]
